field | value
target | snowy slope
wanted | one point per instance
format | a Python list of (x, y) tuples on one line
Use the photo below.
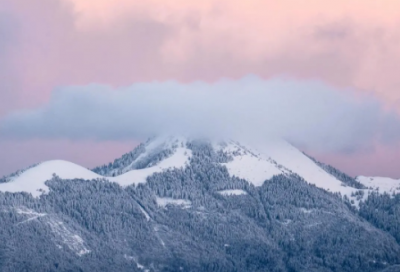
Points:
[(258, 163), (380, 184), (179, 159), (293, 159), (146, 155), (254, 163), (33, 180), (250, 166)]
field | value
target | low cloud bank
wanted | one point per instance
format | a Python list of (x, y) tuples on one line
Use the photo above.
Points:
[(307, 113)]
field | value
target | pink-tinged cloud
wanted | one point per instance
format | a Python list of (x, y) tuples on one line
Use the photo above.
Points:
[(307, 113), (120, 42), (352, 44)]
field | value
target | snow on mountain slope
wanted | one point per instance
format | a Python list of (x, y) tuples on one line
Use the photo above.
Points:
[(33, 180), (380, 184), (146, 155), (249, 166), (233, 192), (163, 202), (254, 163), (179, 159), (293, 159), (258, 163)]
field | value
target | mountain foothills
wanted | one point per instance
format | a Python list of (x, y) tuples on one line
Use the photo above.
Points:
[(179, 204)]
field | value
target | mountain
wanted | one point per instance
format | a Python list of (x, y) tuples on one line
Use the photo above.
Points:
[(179, 204), (154, 156)]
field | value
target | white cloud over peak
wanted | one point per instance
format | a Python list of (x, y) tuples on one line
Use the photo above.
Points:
[(308, 113)]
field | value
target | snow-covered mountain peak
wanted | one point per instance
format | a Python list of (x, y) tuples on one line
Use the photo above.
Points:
[(255, 163), (33, 179), (188, 196), (146, 155), (156, 155), (259, 162)]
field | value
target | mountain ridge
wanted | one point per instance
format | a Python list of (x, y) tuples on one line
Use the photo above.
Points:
[(161, 153), (197, 211)]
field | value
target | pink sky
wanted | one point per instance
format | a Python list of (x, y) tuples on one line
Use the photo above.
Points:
[(45, 44)]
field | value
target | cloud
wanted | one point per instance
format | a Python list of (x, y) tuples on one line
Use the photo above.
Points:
[(48, 50), (118, 42), (308, 113)]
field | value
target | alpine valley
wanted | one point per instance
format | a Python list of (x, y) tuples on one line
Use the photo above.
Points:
[(183, 204)]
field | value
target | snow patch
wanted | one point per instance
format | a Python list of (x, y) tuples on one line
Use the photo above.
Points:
[(163, 202), (234, 192)]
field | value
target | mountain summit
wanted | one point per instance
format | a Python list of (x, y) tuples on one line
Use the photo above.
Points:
[(181, 204), (254, 164)]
